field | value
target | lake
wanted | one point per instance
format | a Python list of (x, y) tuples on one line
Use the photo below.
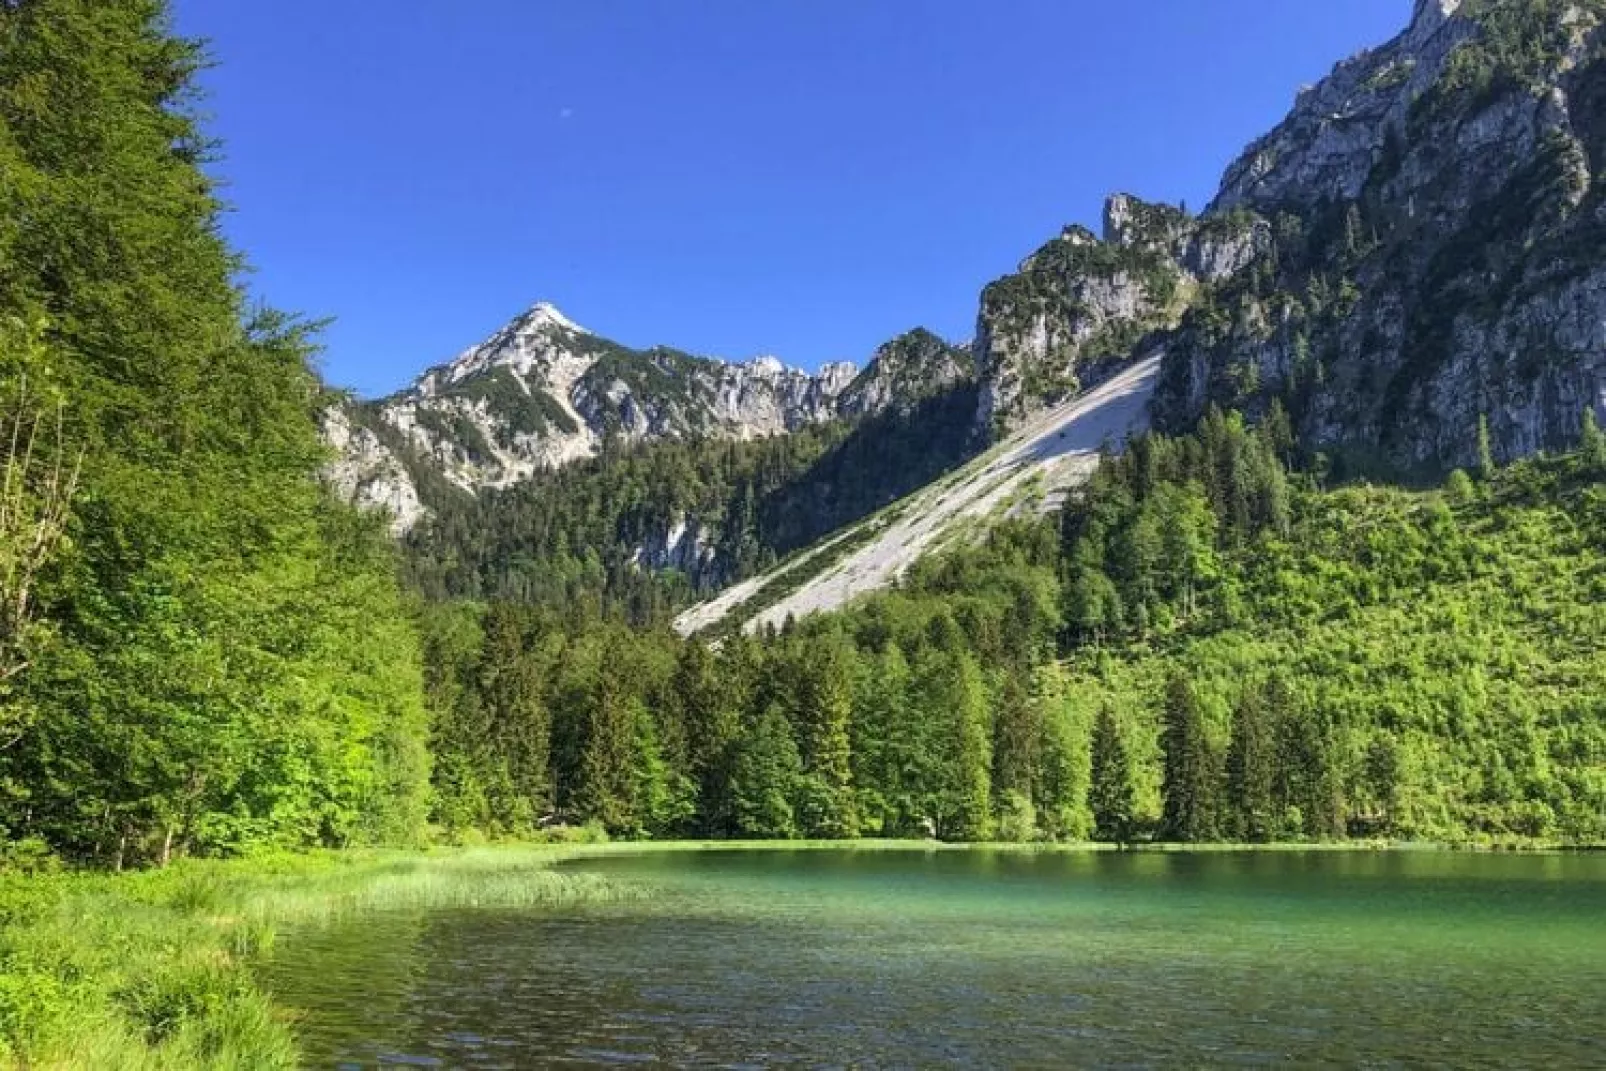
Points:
[(753, 958)]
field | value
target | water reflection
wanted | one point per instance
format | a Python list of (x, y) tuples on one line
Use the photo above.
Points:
[(992, 958)]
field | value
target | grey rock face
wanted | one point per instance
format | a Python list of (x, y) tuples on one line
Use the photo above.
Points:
[(367, 474), (1081, 301), (1328, 144), (1443, 262)]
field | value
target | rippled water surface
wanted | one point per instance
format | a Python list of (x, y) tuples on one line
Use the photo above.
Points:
[(915, 959)]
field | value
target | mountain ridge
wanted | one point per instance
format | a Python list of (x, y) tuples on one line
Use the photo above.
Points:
[(542, 392), (1404, 263)]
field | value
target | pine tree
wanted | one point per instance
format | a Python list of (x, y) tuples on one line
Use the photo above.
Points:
[(608, 787), (518, 730), (705, 693), (1017, 743), (1307, 787), (1278, 432), (887, 746), (764, 778), (1111, 797), (827, 719), (1062, 794)]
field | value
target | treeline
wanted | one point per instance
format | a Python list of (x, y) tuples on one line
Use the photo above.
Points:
[(578, 538), (1202, 647), (199, 650)]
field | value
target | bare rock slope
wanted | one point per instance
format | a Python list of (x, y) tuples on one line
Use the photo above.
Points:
[(1052, 451)]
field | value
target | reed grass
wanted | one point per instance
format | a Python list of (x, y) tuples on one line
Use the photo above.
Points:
[(154, 970)]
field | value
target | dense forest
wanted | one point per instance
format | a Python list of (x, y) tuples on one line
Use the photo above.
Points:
[(202, 652), (1203, 646)]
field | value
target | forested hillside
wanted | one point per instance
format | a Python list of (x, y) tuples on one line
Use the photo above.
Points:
[(642, 530), (1204, 647), (202, 652), (215, 655)]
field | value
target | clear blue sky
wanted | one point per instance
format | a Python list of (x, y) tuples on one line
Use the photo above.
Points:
[(799, 177)]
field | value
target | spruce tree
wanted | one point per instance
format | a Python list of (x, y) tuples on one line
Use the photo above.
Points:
[(886, 746), (1486, 462), (518, 729), (827, 719), (1111, 796), (1188, 790), (1251, 771), (764, 778), (607, 789)]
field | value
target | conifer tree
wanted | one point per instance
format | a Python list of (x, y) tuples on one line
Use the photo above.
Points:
[(826, 720), (1592, 442), (1486, 462), (1111, 797), (607, 789), (764, 778), (1189, 790), (518, 729), (1250, 770)]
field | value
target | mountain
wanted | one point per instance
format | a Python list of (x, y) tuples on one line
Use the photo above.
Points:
[(1408, 263), (1411, 253), (1435, 219), (543, 392)]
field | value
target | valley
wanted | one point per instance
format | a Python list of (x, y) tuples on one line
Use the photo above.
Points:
[(1193, 653)]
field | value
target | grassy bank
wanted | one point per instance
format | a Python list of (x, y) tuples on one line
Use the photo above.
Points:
[(153, 969)]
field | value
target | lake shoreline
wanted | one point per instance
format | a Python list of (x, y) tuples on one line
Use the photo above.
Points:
[(157, 968)]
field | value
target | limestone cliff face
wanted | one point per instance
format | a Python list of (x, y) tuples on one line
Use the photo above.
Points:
[(543, 392), (1083, 301), (1434, 219)]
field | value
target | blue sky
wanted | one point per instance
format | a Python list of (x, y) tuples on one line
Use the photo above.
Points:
[(799, 177)]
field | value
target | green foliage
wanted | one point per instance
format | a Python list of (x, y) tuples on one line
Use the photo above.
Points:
[(1486, 464), (231, 666), (1252, 770), (766, 778), (1592, 442), (1188, 788), (1272, 661), (1517, 46)]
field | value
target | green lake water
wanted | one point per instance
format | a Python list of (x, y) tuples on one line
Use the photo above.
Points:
[(986, 958)]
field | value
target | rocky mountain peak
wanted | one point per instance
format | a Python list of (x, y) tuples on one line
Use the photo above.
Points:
[(1430, 15), (543, 391), (904, 372), (546, 314), (765, 365)]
